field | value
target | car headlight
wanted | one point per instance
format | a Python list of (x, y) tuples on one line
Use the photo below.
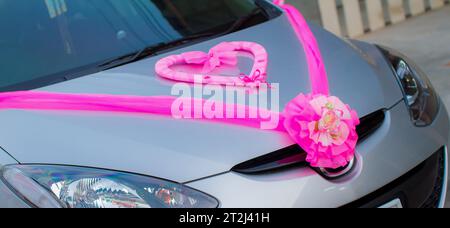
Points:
[(74, 187), (420, 96)]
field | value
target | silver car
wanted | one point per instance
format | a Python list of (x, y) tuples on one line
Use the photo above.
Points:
[(79, 159)]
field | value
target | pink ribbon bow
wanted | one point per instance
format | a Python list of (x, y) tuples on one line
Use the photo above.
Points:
[(256, 77), (222, 54)]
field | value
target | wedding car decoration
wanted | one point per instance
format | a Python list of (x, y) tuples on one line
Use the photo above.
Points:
[(321, 124)]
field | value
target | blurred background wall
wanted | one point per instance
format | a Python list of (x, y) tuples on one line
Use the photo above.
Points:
[(353, 18)]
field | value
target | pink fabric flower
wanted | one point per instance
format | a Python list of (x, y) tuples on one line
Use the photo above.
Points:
[(222, 54), (324, 127)]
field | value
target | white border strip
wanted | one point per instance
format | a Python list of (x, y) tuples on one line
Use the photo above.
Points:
[(444, 187)]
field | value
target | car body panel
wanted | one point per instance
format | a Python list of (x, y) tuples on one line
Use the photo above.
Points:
[(8, 199), (395, 149), (5, 158), (182, 150)]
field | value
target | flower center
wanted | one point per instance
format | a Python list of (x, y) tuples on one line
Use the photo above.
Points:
[(329, 106), (329, 122)]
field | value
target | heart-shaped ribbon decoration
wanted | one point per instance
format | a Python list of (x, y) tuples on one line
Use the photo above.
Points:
[(224, 54)]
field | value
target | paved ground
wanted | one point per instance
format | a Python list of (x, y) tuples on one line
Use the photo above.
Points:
[(426, 39)]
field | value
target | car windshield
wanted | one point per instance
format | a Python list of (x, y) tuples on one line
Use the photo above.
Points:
[(47, 41)]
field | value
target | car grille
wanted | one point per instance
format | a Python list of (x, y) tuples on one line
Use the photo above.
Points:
[(420, 188), (295, 156), (435, 197)]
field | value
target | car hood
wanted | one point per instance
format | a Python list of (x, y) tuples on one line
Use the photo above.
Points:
[(185, 150)]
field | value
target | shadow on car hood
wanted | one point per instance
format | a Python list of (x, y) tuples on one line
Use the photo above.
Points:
[(184, 150)]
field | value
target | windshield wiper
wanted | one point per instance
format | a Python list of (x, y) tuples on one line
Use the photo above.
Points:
[(152, 50), (155, 49)]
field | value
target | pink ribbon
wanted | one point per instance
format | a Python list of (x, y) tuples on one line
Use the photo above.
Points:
[(155, 105), (222, 54), (317, 72)]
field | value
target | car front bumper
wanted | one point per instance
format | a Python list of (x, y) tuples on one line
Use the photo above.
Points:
[(393, 163)]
